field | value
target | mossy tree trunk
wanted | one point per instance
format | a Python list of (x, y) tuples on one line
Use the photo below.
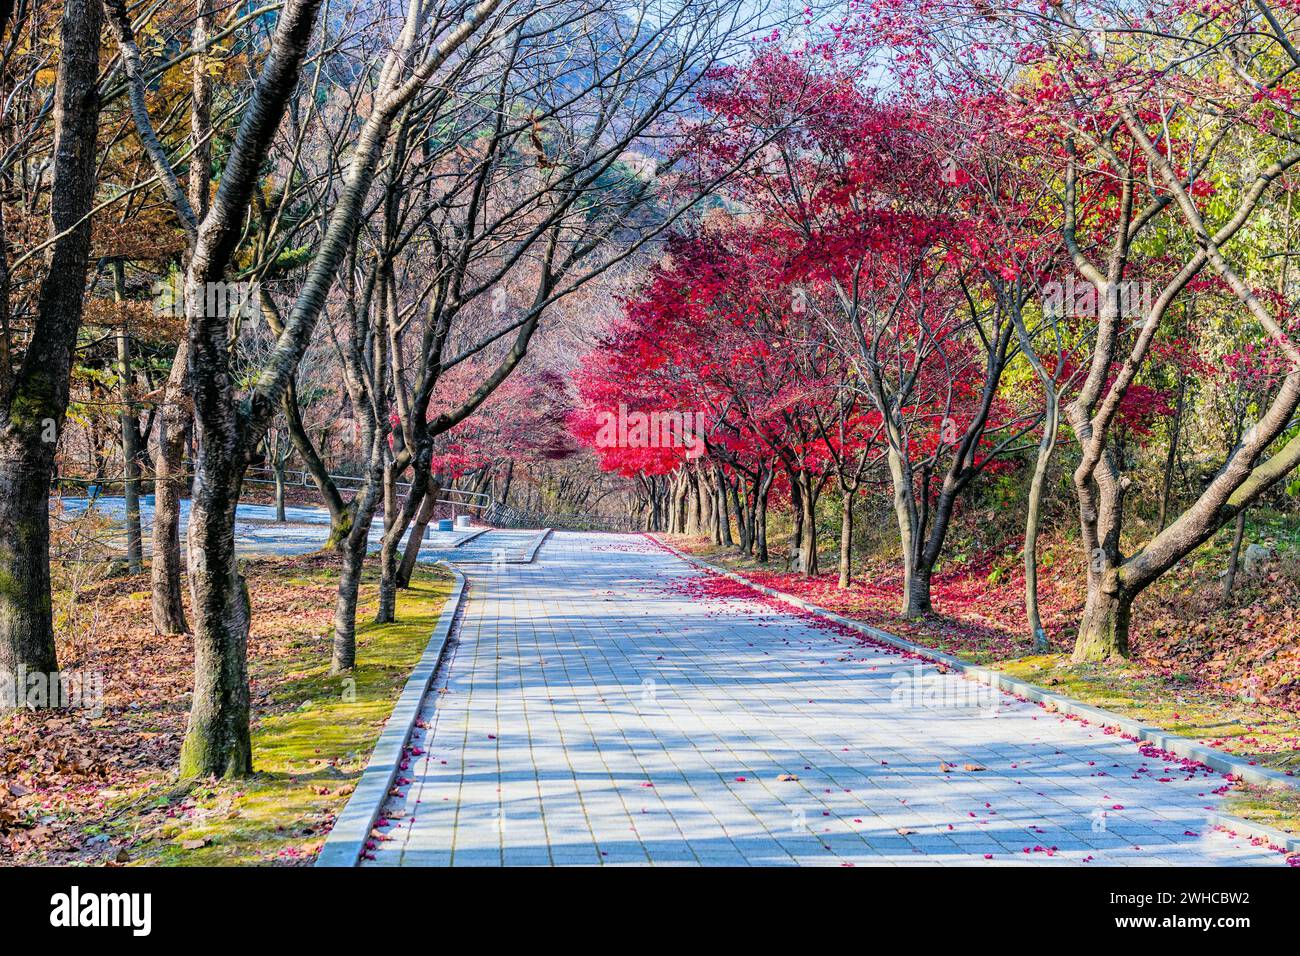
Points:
[(35, 400)]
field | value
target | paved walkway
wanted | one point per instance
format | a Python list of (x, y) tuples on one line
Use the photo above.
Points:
[(306, 529), (602, 706)]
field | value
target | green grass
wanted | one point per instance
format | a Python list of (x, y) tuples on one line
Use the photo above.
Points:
[(1273, 807), (307, 755)]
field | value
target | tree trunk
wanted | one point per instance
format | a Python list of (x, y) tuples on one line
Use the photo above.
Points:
[(428, 508), (354, 548), (1033, 518), (903, 513), (808, 561), (26, 621), (692, 503), (130, 436), (1103, 632), (722, 510), (279, 491), (397, 518), (917, 590), (169, 467), (654, 519), (1234, 559), (846, 538), (37, 400), (131, 465), (677, 514), (388, 562), (344, 653), (340, 511), (760, 520), (713, 492), (704, 491), (217, 741), (744, 518)]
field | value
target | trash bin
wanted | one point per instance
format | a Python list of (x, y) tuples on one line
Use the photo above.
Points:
[(462, 522), (444, 524)]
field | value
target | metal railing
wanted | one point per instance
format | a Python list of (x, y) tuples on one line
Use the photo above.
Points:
[(506, 517), (451, 502), (265, 475)]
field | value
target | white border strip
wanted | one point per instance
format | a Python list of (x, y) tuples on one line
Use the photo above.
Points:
[(532, 555), (470, 537), (347, 838)]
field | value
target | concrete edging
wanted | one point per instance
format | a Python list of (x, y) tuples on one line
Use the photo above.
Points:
[(532, 555), (470, 537), (1058, 703), (347, 838)]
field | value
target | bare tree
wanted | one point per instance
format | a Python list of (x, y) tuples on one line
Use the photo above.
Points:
[(229, 428), (566, 182)]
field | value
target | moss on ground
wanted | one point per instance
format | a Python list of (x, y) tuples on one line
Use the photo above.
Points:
[(307, 754)]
